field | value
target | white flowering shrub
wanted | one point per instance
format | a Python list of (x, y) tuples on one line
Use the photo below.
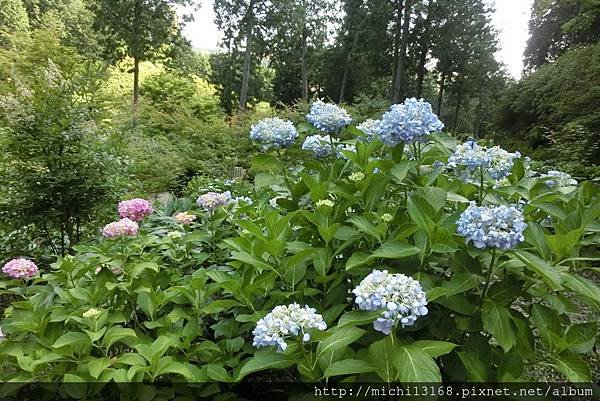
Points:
[(369, 264)]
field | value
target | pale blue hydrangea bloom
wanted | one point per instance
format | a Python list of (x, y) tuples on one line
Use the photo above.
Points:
[(213, 200), (470, 158), (558, 179), (284, 322), (371, 130), (529, 171), (501, 162), (409, 122), (400, 298), (274, 132), (492, 227), (320, 145), (328, 117), (346, 147)]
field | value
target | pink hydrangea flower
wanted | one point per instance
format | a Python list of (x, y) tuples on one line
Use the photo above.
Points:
[(135, 209), (185, 218), (122, 228), (20, 268), (212, 200)]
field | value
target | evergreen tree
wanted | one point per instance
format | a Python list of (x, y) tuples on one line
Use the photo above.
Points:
[(140, 29)]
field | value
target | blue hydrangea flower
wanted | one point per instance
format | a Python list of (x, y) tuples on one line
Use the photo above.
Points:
[(556, 179), (501, 162), (399, 297), (328, 117), (498, 227), (470, 158), (409, 122), (320, 145), (284, 322), (371, 130), (274, 132), (346, 147)]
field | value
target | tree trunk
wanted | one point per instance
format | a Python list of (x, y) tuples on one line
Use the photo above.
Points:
[(441, 94), (136, 81), (399, 7), (478, 112), (347, 69), (457, 110), (247, 58), (421, 71), (400, 70), (137, 15), (304, 66), (344, 79)]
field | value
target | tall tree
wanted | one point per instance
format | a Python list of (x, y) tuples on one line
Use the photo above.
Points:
[(140, 29), (421, 40), (300, 30), (243, 25), (464, 35), (350, 33), (556, 26), (399, 76)]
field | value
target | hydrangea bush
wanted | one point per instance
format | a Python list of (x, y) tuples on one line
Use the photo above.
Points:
[(379, 265)]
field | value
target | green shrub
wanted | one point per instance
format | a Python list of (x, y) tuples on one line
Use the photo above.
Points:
[(57, 171), (168, 94)]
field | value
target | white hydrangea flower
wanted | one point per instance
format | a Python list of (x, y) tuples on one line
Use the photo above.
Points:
[(556, 178), (400, 298), (284, 322)]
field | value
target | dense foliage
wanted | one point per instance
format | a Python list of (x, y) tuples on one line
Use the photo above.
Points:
[(57, 170), (446, 261), (548, 113)]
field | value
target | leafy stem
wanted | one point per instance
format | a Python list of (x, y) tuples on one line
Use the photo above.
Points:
[(481, 185), (333, 152), (490, 272), (285, 169)]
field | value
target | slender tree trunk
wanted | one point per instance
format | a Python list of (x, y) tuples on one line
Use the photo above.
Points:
[(400, 70), (304, 65), (421, 70), (347, 69), (247, 58), (137, 16), (425, 45), (344, 79), (441, 94), (233, 54), (399, 7), (478, 110), (457, 109), (136, 81)]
